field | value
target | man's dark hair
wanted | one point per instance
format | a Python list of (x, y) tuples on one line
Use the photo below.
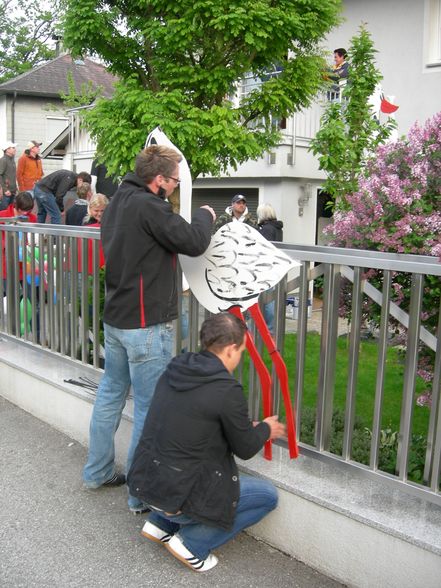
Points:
[(342, 52), (221, 330), (86, 177), (156, 160), (24, 201)]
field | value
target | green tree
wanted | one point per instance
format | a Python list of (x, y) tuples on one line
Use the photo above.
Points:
[(349, 133), (180, 62), (80, 96), (26, 30)]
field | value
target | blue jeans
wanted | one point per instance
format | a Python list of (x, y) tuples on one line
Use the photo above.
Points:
[(257, 498), (47, 205), (133, 356)]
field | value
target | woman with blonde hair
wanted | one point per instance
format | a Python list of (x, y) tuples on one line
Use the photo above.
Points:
[(96, 207), (269, 226)]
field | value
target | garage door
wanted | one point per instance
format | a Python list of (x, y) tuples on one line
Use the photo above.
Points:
[(220, 198)]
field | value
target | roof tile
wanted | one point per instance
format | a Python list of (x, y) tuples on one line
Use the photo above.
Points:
[(49, 79)]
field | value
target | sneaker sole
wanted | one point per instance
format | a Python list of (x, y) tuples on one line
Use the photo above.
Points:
[(184, 561), (163, 541)]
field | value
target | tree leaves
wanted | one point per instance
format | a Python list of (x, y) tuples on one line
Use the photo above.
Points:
[(180, 63), (26, 31)]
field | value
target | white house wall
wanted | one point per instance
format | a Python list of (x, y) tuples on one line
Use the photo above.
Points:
[(399, 31), (30, 120)]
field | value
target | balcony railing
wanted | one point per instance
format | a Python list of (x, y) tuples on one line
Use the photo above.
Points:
[(53, 290)]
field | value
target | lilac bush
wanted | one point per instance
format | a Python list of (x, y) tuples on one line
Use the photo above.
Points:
[(397, 208)]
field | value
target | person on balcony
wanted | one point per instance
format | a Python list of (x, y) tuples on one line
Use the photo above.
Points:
[(29, 167), (237, 212), (184, 465), (141, 236), (50, 191), (339, 72), (8, 180)]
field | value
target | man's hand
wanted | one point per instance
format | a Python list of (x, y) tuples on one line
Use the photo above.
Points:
[(213, 214), (277, 429)]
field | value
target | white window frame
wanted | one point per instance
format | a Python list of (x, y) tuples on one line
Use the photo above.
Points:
[(432, 57)]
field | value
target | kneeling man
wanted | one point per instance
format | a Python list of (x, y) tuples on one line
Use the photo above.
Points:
[(184, 466)]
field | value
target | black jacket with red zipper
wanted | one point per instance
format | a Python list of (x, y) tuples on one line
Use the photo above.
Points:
[(141, 236)]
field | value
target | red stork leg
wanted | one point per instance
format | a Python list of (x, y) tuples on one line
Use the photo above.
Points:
[(264, 377), (282, 374)]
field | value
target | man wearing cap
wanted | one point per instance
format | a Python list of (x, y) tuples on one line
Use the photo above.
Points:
[(29, 167), (7, 174), (238, 212)]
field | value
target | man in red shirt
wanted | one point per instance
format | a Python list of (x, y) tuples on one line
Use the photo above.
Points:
[(21, 207)]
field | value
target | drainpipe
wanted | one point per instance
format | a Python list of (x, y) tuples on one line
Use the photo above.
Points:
[(13, 117)]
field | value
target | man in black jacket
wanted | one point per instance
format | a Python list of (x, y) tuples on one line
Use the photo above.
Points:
[(50, 191), (184, 467), (141, 236)]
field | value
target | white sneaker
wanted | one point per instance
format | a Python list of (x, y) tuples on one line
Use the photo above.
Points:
[(154, 533), (178, 549)]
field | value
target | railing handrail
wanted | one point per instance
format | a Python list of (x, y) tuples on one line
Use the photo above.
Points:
[(313, 253), (404, 262), (53, 230)]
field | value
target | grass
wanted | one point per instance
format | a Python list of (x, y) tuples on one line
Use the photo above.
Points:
[(364, 402), (366, 380)]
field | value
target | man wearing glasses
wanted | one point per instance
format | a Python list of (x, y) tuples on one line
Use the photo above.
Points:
[(141, 237)]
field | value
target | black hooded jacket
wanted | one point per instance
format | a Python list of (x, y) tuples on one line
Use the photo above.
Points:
[(141, 236), (272, 230), (197, 420)]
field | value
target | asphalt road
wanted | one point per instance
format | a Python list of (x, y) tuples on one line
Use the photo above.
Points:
[(53, 533)]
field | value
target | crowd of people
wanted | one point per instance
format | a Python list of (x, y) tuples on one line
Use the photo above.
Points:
[(190, 413), (60, 197)]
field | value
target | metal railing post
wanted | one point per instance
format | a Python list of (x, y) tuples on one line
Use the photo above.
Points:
[(405, 433), (328, 349)]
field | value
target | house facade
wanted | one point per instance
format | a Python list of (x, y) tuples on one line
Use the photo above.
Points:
[(31, 107), (407, 37)]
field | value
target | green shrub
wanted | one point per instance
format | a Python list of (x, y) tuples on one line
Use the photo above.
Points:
[(361, 443)]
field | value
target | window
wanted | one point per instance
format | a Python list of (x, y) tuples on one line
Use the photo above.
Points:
[(433, 33)]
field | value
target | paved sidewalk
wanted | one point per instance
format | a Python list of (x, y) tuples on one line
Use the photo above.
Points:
[(55, 534)]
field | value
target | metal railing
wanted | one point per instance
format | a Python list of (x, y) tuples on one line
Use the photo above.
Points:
[(51, 288), (52, 291)]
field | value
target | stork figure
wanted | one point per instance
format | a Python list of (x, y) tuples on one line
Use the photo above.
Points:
[(237, 267)]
